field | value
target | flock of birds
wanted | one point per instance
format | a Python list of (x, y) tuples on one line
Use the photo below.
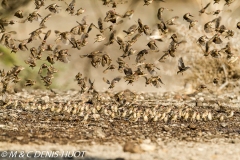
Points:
[(116, 106), (56, 52), (126, 105)]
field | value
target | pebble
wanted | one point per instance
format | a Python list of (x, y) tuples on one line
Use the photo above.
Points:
[(89, 135), (200, 133), (142, 137), (148, 147), (132, 148), (192, 126), (19, 138), (224, 125), (166, 128), (104, 126), (99, 132), (45, 99), (147, 141), (13, 115), (216, 107), (199, 103), (201, 99), (129, 133), (2, 126)]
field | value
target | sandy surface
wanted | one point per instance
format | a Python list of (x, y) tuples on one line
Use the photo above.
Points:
[(215, 149)]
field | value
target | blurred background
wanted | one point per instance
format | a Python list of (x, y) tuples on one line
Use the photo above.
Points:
[(94, 9)]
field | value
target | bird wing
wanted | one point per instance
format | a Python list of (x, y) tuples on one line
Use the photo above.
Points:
[(132, 28), (106, 80), (163, 57), (117, 79), (159, 14), (100, 24), (128, 71), (217, 21), (180, 64), (207, 5)]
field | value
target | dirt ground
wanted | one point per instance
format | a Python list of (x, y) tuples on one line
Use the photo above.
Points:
[(95, 123), (126, 125)]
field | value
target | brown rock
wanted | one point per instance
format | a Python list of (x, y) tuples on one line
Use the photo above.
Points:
[(166, 128), (99, 132), (192, 126), (199, 103), (224, 125), (132, 148)]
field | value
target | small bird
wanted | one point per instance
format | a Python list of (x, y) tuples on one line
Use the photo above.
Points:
[(217, 12), (201, 87), (110, 67), (19, 14), (171, 21), (106, 60), (62, 36), (140, 56), (154, 80), (99, 38), (193, 23), (5, 4), (46, 36), (181, 66), (163, 27), (112, 16), (71, 7), (215, 53), (215, 81), (152, 45), (221, 117), (128, 14), (187, 18), (132, 29), (31, 61), (147, 2), (231, 114), (208, 27), (112, 83), (210, 116), (53, 8), (112, 38), (217, 1), (135, 38), (202, 40), (238, 25), (39, 4), (204, 9), (128, 71), (30, 82), (146, 30), (80, 11), (160, 12), (228, 2), (217, 39), (156, 35), (164, 56), (34, 16)]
